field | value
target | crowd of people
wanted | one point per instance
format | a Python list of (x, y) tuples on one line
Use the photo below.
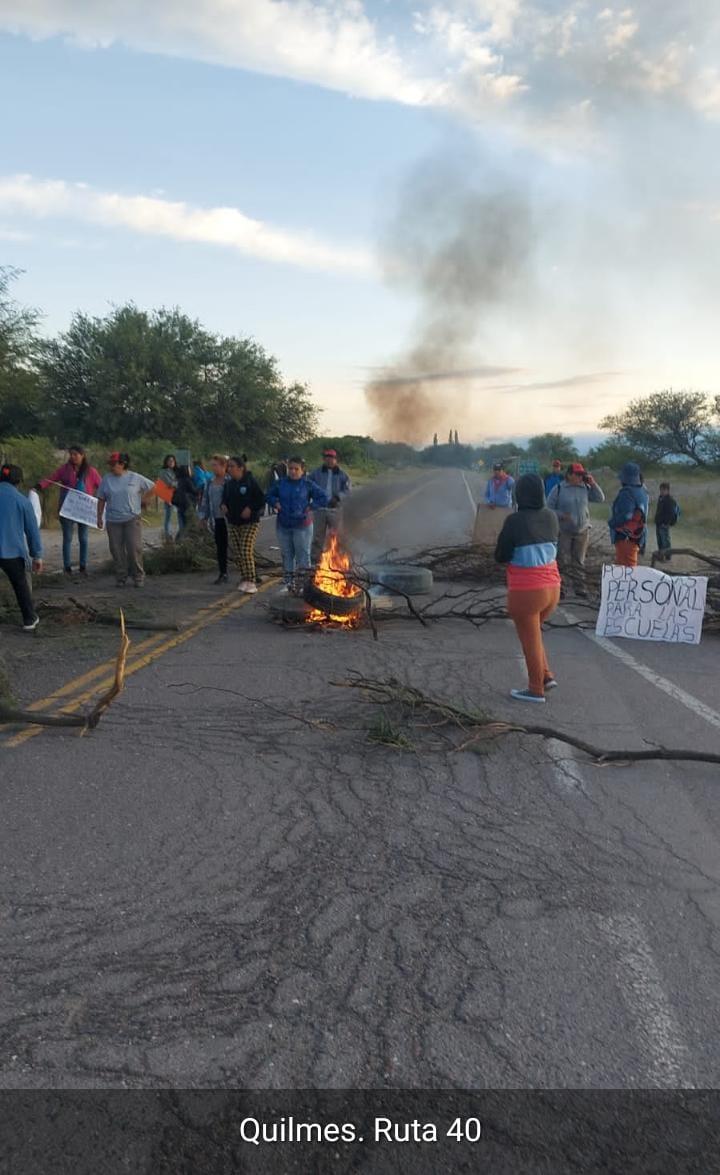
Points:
[(544, 541), (227, 499)]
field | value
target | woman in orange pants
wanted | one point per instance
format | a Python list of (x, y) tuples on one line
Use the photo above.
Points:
[(628, 518), (528, 546)]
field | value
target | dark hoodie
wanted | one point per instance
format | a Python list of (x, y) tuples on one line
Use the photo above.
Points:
[(528, 540)]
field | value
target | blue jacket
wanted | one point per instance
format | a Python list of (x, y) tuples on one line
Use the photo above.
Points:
[(19, 531), (498, 491), (339, 485), (552, 480), (296, 500), (629, 499)]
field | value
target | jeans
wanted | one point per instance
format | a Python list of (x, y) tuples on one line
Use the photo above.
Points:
[(125, 539), (664, 542), (295, 543), (167, 521), (572, 549), (326, 521), (67, 532), (16, 571), (528, 610)]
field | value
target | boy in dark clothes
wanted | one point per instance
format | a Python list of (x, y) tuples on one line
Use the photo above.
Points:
[(667, 513)]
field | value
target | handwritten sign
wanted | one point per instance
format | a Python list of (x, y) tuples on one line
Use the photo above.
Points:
[(79, 507), (646, 605)]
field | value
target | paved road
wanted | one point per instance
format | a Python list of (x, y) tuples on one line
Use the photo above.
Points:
[(216, 888)]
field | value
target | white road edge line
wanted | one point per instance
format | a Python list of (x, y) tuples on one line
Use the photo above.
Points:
[(473, 503), (662, 683), (644, 996)]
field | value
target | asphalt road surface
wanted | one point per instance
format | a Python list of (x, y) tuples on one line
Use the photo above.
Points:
[(228, 884)]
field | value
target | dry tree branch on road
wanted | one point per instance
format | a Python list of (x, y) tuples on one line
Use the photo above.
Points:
[(483, 726)]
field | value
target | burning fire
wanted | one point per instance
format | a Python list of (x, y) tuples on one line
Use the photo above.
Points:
[(331, 577)]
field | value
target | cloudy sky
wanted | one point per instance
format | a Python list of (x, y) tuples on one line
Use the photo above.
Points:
[(304, 172)]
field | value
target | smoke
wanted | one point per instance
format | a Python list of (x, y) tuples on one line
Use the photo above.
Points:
[(463, 246)]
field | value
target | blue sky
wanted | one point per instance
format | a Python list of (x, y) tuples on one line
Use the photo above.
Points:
[(244, 161)]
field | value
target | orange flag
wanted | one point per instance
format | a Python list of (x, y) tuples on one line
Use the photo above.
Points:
[(164, 491)]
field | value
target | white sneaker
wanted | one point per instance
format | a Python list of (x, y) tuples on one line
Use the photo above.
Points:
[(250, 588), (242, 586), (33, 626)]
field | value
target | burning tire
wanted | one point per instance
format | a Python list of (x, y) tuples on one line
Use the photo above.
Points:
[(333, 605), (402, 577)]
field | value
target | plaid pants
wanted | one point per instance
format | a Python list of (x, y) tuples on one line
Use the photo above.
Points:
[(241, 540)]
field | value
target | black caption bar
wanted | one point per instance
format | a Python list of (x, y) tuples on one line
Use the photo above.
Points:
[(224, 1132)]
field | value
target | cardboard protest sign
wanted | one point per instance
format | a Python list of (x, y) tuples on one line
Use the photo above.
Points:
[(646, 605), (79, 507), (164, 491)]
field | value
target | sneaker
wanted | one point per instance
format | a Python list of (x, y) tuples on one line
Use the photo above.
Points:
[(581, 593), (120, 582), (223, 578), (550, 683), (284, 590), (250, 588), (524, 695), (83, 573), (32, 626), (138, 583), (67, 572)]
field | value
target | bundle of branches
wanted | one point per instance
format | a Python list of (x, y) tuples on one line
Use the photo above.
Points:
[(476, 726), (476, 562)]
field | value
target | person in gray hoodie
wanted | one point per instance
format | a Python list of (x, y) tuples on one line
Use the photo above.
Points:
[(571, 502)]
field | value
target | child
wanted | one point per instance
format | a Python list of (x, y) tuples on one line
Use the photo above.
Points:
[(292, 499), (667, 513), (528, 545)]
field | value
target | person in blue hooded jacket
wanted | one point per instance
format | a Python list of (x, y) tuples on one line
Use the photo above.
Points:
[(19, 542), (629, 515), (292, 498)]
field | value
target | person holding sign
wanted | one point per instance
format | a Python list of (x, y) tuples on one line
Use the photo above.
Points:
[(527, 544), (75, 474), (19, 537), (628, 520), (121, 497)]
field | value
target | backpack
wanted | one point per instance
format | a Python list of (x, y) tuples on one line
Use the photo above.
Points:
[(675, 514)]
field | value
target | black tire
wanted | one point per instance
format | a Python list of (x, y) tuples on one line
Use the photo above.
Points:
[(333, 605), (402, 577)]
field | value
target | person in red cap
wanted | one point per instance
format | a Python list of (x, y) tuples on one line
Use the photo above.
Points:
[(571, 502), (336, 484)]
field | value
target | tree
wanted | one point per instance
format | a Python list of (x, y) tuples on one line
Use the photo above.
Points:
[(457, 442), (20, 395), (435, 439), (548, 445), (670, 424), (450, 438), (158, 374)]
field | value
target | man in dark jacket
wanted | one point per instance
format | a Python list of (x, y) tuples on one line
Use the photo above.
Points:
[(667, 513), (336, 484)]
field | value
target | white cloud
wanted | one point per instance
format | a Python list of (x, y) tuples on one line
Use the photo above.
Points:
[(11, 234), (333, 44), (226, 227)]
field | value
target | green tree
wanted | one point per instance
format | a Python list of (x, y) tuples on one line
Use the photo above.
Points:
[(548, 445), (138, 374), (20, 394), (669, 424)]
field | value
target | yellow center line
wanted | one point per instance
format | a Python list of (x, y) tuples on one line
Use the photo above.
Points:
[(393, 505), (231, 604), (77, 683)]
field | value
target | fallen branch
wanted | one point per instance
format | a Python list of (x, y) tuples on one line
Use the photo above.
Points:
[(84, 722), (660, 557), (395, 692)]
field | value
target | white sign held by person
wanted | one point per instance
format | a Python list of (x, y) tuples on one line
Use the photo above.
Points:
[(646, 605), (79, 507)]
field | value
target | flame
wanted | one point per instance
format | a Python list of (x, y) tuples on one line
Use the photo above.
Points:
[(331, 577)]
